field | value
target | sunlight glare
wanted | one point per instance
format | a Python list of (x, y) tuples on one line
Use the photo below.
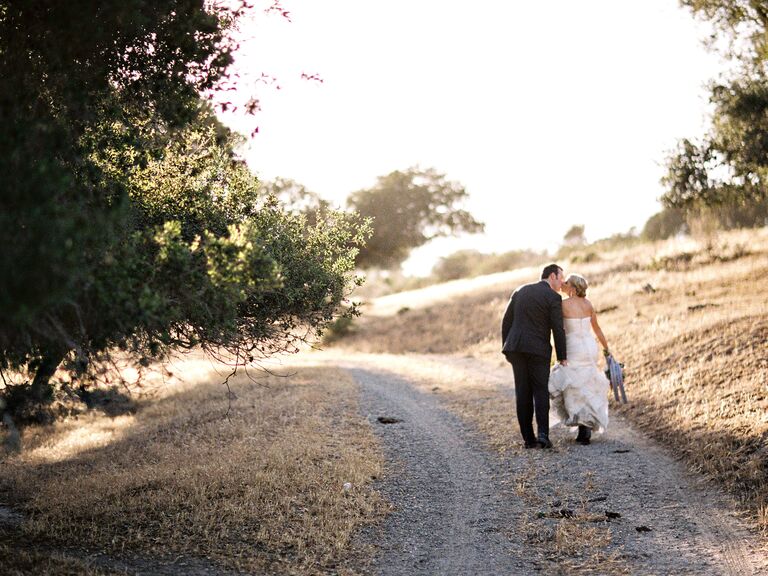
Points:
[(97, 433)]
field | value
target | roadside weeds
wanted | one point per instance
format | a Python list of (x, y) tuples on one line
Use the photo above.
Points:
[(281, 485)]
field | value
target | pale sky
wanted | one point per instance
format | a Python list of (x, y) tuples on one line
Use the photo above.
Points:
[(549, 113)]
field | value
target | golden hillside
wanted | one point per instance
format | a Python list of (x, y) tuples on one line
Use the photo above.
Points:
[(688, 318)]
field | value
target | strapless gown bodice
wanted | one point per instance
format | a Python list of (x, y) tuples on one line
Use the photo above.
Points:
[(580, 344)]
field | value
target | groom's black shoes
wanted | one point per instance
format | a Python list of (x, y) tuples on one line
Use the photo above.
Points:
[(532, 444), (585, 433), (544, 441)]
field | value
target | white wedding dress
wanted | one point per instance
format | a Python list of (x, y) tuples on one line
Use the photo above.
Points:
[(579, 391)]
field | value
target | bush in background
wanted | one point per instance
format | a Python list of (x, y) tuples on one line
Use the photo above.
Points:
[(471, 263)]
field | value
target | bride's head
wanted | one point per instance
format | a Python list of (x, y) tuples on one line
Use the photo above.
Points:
[(576, 285)]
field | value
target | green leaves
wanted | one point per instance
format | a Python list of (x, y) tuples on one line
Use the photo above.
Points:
[(740, 27), (729, 166), (127, 222)]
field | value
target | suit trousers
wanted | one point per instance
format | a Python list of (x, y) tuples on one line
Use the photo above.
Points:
[(531, 392)]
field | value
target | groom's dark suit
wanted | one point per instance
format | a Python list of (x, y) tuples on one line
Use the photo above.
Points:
[(534, 310)]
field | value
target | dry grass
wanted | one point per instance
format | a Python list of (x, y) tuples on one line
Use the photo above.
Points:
[(473, 395), (576, 541), (688, 318), (696, 352), (262, 490)]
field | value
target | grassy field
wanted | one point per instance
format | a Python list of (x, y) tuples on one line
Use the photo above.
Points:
[(280, 485), (283, 482), (688, 318)]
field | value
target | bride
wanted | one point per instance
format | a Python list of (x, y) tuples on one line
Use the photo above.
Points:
[(579, 390)]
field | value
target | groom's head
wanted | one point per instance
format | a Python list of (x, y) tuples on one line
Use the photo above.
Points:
[(553, 274)]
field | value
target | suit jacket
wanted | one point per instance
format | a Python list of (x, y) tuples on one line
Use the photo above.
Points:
[(534, 310)]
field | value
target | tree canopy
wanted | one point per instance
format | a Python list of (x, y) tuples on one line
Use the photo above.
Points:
[(127, 221), (297, 198), (739, 27), (408, 209), (575, 236), (664, 224), (729, 165)]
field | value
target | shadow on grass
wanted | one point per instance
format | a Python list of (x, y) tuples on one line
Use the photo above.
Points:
[(736, 460), (143, 469)]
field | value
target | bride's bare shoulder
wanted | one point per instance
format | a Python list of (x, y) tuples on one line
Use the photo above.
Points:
[(574, 308)]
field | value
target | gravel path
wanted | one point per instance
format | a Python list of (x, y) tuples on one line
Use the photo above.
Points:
[(694, 526), (449, 512), (457, 511)]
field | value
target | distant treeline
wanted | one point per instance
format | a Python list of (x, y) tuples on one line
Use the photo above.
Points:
[(727, 216), (471, 263)]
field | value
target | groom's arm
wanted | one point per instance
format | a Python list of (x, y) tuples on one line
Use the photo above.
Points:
[(509, 318), (556, 321)]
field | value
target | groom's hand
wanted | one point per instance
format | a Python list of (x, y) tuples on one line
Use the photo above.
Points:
[(564, 362)]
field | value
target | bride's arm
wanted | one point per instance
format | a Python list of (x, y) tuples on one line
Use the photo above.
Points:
[(598, 331)]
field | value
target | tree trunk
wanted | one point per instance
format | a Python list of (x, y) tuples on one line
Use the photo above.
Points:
[(41, 391)]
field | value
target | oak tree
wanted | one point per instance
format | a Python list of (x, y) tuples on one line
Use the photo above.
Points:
[(127, 221), (408, 209), (728, 167)]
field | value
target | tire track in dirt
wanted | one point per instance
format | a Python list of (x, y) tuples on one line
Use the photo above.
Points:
[(449, 514), (695, 518), (694, 526)]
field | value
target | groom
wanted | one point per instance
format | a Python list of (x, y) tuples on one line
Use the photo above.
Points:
[(534, 310)]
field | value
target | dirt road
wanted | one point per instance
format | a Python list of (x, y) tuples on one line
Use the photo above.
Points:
[(468, 499), (620, 506), (450, 514)]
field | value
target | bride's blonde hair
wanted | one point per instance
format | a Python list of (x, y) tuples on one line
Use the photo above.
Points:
[(579, 284)]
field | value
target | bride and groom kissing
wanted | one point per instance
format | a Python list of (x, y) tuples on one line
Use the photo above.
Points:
[(575, 385)]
